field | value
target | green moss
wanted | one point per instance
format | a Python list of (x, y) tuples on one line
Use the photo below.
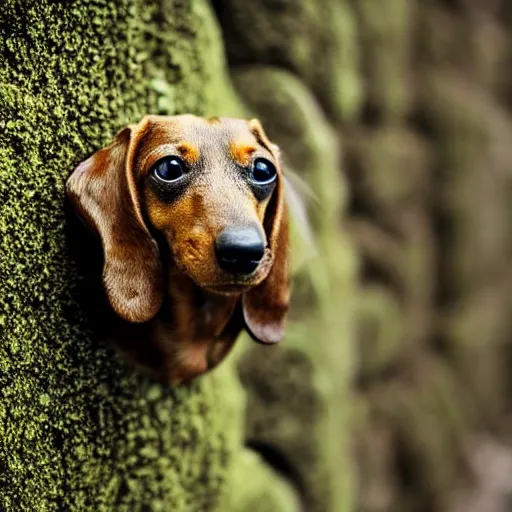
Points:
[(186, 41), (263, 491)]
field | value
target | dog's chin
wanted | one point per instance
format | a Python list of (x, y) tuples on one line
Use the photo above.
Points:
[(233, 286), (236, 285), (228, 288)]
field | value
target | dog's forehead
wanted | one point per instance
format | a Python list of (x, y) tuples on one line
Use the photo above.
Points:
[(206, 135), (217, 128)]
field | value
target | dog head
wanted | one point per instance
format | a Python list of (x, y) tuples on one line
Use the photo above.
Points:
[(212, 190)]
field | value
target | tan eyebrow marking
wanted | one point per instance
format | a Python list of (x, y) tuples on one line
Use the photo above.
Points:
[(189, 152), (257, 130), (241, 152)]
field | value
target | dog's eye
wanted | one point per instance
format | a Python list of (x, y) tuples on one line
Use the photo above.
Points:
[(263, 171), (170, 168)]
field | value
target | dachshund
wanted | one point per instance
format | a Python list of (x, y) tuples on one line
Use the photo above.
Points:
[(194, 230)]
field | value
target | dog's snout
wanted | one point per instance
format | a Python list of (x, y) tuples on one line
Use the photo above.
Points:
[(239, 250)]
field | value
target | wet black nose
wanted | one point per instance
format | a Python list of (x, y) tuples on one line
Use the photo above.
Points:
[(239, 250)]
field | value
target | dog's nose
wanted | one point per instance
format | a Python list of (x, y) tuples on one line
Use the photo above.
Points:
[(239, 250)]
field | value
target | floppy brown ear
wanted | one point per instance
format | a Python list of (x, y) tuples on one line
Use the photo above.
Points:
[(266, 305), (103, 191)]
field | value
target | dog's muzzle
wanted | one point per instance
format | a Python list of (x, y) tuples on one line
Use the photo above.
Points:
[(239, 250)]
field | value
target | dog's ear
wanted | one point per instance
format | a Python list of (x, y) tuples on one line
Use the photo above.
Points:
[(266, 305), (103, 190)]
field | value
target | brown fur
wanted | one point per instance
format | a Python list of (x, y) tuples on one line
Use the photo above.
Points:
[(181, 312)]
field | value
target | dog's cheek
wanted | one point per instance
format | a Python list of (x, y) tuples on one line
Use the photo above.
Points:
[(195, 255), (261, 209), (159, 215)]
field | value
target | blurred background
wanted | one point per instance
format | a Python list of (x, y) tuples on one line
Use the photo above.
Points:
[(397, 113), (392, 389)]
